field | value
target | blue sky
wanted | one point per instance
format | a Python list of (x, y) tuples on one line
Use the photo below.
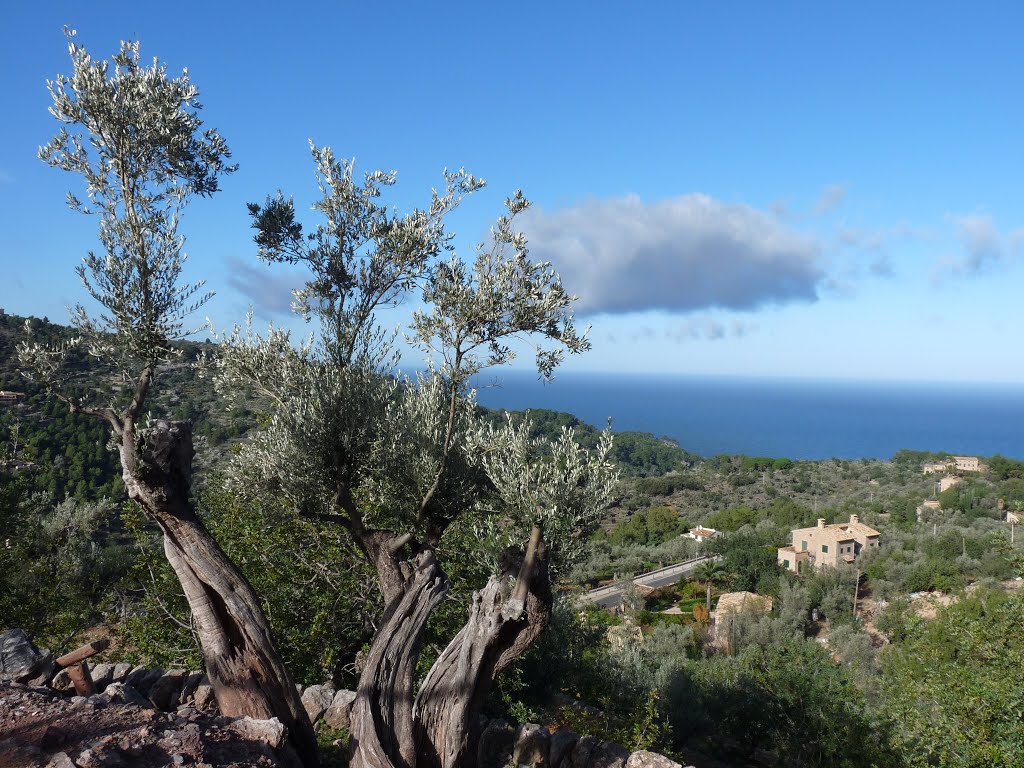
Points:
[(785, 189)]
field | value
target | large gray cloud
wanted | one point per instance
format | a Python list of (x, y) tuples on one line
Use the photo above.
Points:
[(684, 254)]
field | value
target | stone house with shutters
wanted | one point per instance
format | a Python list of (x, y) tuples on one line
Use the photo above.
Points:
[(827, 545)]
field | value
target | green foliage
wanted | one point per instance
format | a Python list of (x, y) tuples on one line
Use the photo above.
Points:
[(749, 557), (651, 526), (952, 689), (56, 565)]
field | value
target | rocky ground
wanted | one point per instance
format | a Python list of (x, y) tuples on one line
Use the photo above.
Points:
[(39, 728)]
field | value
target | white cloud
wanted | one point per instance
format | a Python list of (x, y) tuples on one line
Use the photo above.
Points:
[(680, 255)]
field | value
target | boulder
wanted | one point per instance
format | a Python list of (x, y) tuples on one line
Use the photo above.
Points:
[(270, 732), (188, 687), (562, 742), (609, 755), (20, 660), (142, 679), (204, 699), (317, 699), (120, 672), (580, 757), (494, 749), (45, 670), (644, 759), (62, 682), (337, 715), (166, 689), (122, 693), (102, 676), (532, 745)]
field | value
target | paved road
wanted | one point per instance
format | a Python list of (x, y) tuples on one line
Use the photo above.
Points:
[(611, 596)]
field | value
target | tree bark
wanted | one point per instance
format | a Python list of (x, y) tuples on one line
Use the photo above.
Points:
[(246, 671), (383, 734), (392, 730), (503, 623)]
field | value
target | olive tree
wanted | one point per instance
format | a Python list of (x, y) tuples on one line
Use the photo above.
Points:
[(396, 461), (134, 135)]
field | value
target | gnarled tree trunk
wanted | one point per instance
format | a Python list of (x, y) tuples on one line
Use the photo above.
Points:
[(388, 729), (247, 673)]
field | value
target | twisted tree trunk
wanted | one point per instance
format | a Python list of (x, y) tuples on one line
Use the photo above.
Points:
[(247, 673), (389, 728)]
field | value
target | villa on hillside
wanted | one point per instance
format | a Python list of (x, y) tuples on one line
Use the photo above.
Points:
[(6, 396), (700, 533), (954, 463), (827, 545)]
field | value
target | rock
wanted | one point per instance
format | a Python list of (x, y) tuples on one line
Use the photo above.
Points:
[(580, 757), (644, 759), (62, 682), (496, 744), (166, 689), (20, 660), (203, 698), (122, 693), (532, 745), (120, 672), (142, 679), (609, 755), (270, 732), (102, 676), (188, 687), (562, 742), (317, 699), (337, 715), (60, 760)]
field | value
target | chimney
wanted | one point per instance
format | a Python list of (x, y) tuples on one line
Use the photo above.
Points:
[(821, 522), (854, 519)]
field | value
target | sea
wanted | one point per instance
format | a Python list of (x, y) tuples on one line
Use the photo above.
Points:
[(792, 418)]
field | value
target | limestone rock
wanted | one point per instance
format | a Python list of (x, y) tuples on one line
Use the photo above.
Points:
[(120, 672), (204, 699), (102, 676), (270, 732), (532, 745), (644, 759), (122, 693), (20, 660), (188, 687), (166, 689), (496, 744), (62, 682), (609, 755), (562, 742), (60, 760), (317, 699), (337, 715), (580, 757), (142, 679)]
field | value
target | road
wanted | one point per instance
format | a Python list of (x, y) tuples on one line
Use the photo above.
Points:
[(611, 595)]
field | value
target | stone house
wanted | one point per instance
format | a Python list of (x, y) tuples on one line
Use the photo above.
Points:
[(827, 545)]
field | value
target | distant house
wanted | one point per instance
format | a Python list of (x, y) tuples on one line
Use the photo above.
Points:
[(827, 545), (6, 396), (700, 533), (954, 463)]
